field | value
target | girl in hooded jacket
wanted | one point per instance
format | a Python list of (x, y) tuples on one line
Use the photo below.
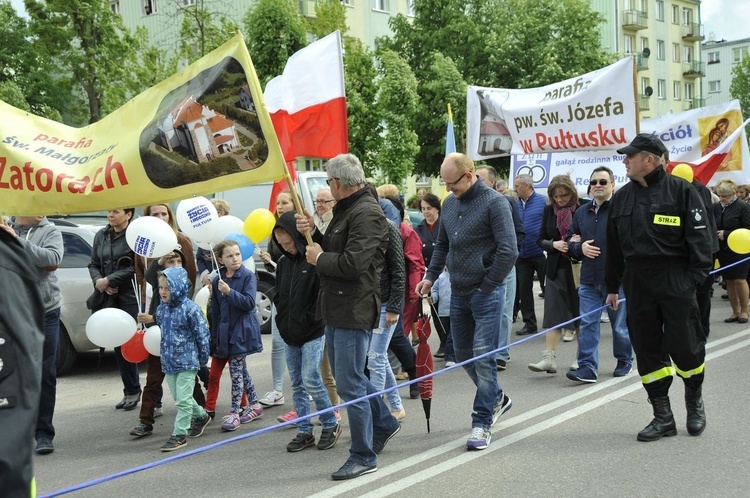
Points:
[(235, 332)]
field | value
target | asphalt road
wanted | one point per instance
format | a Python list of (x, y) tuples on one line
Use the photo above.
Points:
[(560, 438)]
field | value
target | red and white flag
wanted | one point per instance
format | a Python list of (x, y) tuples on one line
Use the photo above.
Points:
[(307, 104), (705, 167)]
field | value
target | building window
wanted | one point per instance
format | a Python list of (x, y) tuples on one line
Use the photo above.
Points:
[(713, 57), (714, 86), (738, 54), (661, 50), (348, 3), (676, 90), (411, 9), (675, 14), (188, 3), (644, 44), (661, 89), (149, 7), (628, 44), (688, 91), (314, 165), (114, 5), (381, 5), (659, 10), (688, 54), (687, 16), (645, 83), (675, 52)]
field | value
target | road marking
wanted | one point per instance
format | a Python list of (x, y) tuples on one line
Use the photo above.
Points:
[(398, 486)]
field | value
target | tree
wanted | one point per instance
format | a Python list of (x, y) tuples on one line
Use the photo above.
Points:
[(330, 15), (397, 103), (25, 80), (96, 57), (275, 30), (200, 34), (740, 87), (364, 117)]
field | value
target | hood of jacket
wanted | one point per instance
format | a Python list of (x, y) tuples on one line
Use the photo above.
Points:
[(289, 223), (390, 211), (177, 279)]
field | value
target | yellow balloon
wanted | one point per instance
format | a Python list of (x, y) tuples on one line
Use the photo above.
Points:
[(259, 225), (739, 241), (683, 171)]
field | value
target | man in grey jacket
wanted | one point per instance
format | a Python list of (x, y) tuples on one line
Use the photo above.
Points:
[(44, 243), (478, 242)]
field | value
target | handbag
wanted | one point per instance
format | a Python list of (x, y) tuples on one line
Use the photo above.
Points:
[(575, 266), (97, 301)]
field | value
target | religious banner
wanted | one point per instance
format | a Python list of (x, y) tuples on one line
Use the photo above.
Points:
[(203, 130)]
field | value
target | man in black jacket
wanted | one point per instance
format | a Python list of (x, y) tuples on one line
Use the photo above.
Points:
[(659, 247), (349, 260), (21, 339)]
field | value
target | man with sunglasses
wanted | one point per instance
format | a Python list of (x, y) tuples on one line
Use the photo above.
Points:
[(478, 242), (587, 242), (660, 250)]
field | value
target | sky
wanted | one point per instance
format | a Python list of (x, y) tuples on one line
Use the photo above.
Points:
[(727, 19)]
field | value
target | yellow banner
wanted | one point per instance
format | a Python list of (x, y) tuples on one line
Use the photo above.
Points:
[(201, 131)]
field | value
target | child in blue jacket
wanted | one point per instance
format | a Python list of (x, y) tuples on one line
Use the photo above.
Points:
[(184, 349)]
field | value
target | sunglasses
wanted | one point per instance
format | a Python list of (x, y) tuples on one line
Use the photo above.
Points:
[(594, 183)]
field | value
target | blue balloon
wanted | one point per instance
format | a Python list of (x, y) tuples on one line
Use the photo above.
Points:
[(246, 245)]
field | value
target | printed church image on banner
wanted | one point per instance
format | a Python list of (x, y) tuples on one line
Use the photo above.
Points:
[(199, 130)]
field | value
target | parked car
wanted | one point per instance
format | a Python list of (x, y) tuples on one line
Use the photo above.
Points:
[(76, 286)]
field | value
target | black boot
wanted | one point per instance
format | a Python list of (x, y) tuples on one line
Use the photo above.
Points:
[(663, 423), (696, 413)]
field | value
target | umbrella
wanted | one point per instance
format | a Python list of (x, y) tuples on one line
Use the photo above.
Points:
[(424, 362)]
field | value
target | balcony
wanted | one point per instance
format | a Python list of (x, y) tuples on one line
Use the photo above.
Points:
[(634, 19), (643, 102), (694, 69), (641, 62), (695, 103), (307, 8), (692, 32)]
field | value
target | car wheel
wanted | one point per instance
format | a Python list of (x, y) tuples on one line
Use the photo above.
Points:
[(263, 303), (66, 353)]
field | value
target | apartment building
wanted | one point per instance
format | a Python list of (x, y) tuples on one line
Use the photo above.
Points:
[(721, 56)]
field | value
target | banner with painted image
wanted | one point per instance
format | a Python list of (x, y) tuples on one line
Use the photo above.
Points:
[(595, 111), (687, 135), (203, 130)]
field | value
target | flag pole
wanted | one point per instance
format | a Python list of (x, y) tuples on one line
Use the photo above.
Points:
[(295, 199), (637, 100)]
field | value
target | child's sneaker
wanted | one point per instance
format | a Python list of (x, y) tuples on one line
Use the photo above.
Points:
[(248, 414), (287, 417), (231, 422), (300, 442), (272, 398), (158, 412), (198, 425), (329, 437), (174, 443)]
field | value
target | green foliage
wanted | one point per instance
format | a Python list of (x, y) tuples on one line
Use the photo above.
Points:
[(275, 30), (740, 87), (200, 33), (364, 118), (397, 103), (330, 15), (11, 94)]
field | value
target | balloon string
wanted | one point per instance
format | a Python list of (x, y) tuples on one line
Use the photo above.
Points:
[(213, 258)]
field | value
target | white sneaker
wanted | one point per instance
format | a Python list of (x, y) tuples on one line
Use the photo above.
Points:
[(605, 317), (574, 366), (449, 364), (158, 411), (479, 439), (272, 398)]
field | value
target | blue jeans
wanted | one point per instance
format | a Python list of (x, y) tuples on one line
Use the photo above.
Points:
[(347, 352), (506, 320), (44, 427), (474, 319), (278, 358), (381, 374), (590, 298), (304, 372)]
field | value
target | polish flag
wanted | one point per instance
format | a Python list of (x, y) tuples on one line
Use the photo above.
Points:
[(705, 167), (307, 104)]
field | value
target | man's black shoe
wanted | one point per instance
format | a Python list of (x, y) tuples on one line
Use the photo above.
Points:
[(526, 331), (350, 470), (379, 442)]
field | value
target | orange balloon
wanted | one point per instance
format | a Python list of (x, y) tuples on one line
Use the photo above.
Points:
[(134, 351)]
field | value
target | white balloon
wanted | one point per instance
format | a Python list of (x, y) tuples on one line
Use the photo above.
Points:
[(110, 327), (227, 225), (202, 297), (197, 218), (152, 340), (249, 263), (151, 237)]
